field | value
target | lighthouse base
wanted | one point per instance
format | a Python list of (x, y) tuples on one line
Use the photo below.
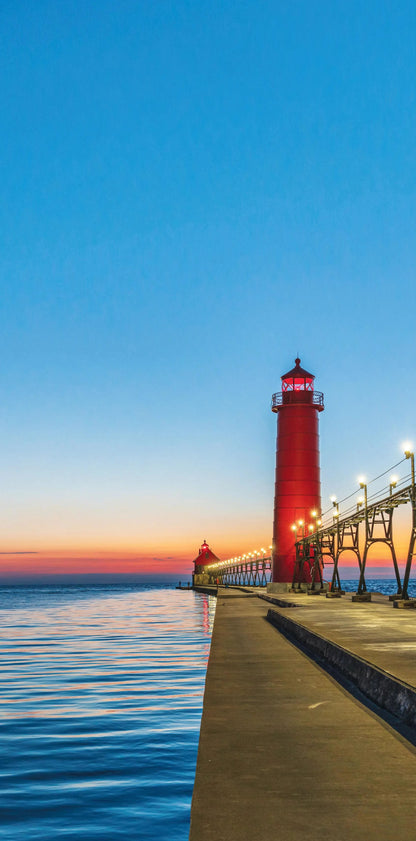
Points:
[(283, 586)]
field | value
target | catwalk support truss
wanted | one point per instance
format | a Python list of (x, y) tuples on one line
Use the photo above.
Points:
[(253, 572), (326, 545)]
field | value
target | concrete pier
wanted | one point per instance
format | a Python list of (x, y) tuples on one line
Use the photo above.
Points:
[(370, 644), (208, 589), (285, 751)]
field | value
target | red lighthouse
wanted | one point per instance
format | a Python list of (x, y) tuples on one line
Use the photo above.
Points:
[(298, 487), (203, 559)]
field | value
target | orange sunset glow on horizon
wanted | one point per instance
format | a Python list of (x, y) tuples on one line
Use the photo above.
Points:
[(175, 559), (171, 555)]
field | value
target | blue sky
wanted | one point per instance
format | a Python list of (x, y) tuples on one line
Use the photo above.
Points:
[(192, 194)]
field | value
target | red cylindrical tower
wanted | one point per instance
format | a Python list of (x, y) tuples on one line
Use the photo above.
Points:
[(298, 487)]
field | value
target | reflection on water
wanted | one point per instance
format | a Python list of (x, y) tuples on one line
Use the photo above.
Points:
[(100, 707)]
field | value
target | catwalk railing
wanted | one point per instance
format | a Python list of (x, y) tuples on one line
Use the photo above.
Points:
[(253, 569), (363, 524)]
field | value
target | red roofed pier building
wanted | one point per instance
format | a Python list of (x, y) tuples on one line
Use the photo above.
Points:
[(203, 559)]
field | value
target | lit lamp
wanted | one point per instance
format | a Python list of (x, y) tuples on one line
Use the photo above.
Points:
[(360, 502), (363, 486), (393, 483), (317, 520), (410, 454), (335, 513)]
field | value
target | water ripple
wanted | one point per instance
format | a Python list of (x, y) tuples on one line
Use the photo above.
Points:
[(100, 707)]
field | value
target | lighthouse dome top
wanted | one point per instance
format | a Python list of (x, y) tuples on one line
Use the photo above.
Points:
[(297, 379)]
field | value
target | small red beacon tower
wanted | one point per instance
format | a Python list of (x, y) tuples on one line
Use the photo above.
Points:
[(298, 487), (204, 557)]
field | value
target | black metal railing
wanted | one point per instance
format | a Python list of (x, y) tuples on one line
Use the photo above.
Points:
[(286, 397)]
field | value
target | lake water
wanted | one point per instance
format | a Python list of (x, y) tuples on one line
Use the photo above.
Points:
[(386, 586), (100, 707)]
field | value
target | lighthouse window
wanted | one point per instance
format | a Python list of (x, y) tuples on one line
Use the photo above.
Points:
[(298, 385)]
